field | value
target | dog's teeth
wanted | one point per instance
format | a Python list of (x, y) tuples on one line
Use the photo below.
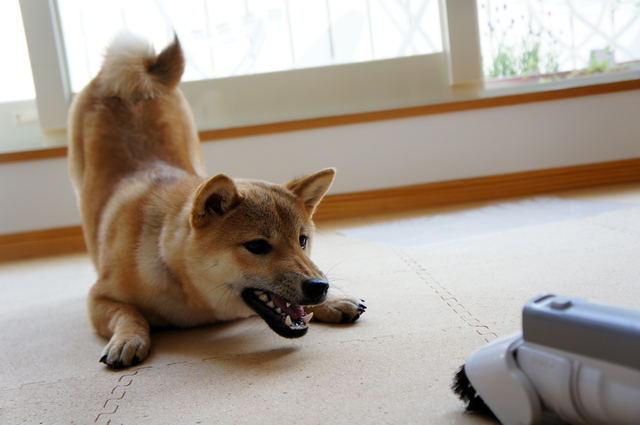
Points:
[(270, 304), (307, 317), (288, 304), (258, 293), (287, 321), (264, 298), (278, 310)]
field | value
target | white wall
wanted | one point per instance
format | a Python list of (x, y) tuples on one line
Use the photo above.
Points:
[(37, 194)]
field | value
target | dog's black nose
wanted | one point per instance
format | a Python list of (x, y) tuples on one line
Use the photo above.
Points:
[(315, 290)]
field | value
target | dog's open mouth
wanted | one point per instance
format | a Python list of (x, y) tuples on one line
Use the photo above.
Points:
[(286, 319)]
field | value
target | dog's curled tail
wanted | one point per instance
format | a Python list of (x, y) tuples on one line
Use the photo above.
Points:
[(132, 71)]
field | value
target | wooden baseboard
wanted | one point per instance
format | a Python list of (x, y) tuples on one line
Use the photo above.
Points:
[(69, 239), (41, 243), (477, 189)]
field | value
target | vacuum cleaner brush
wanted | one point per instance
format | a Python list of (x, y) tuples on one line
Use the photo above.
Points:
[(465, 392)]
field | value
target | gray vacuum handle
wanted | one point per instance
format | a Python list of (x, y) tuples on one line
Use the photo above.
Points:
[(601, 331)]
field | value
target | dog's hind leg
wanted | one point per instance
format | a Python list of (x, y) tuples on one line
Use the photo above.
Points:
[(126, 328)]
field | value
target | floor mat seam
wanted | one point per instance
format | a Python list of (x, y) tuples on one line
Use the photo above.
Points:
[(110, 407), (445, 295)]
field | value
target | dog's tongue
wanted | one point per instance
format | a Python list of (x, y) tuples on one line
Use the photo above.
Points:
[(295, 311)]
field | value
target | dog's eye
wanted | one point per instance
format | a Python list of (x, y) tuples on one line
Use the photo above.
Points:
[(258, 247), (303, 241)]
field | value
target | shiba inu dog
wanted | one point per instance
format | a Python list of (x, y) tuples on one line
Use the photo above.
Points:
[(171, 246)]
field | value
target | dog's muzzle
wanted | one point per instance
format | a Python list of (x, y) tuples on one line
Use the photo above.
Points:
[(286, 319)]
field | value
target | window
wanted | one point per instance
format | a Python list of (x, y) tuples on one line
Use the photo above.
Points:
[(230, 38), (546, 41), (259, 61), (319, 83), (15, 80), (17, 105), (262, 61)]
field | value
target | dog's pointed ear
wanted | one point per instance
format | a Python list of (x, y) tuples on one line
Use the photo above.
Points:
[(214, 198), (312, 187)]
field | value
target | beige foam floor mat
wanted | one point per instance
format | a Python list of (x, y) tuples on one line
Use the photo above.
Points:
[(429, 307)]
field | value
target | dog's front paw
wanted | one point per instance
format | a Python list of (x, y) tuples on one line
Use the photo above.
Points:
[(125, 350), (338, 309)]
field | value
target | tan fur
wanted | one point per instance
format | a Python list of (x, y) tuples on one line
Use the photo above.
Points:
[(169, 245)]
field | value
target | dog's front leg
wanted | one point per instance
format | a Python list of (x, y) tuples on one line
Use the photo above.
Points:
[(126, 328), (338, 309)]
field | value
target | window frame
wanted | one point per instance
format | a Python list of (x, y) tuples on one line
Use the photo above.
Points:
[(283, 95), (438, 78), (48, 64)]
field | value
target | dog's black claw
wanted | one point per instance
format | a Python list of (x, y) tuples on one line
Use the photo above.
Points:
[(118, 364), (346, 318)]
